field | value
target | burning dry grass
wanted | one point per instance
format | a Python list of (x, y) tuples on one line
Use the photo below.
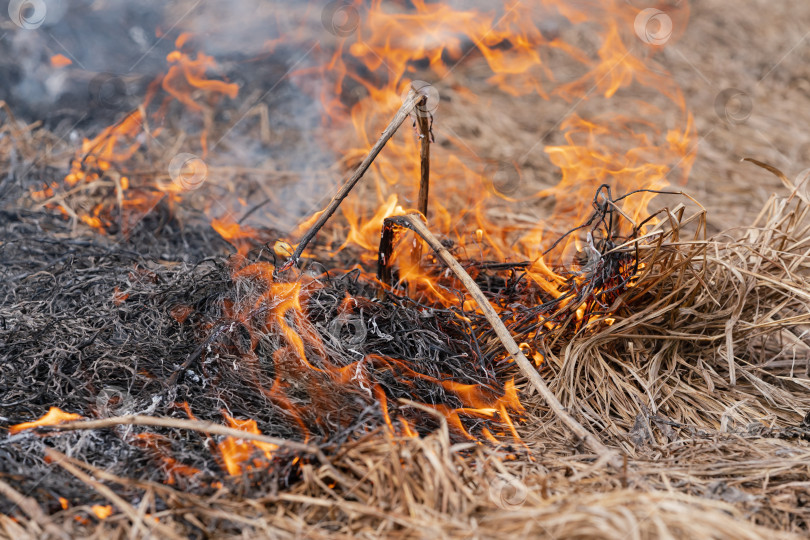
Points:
[(719, 341), (700, 380), (418, 488), (687, 356)]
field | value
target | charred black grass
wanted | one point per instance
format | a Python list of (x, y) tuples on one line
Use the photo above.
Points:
[(148, 324)]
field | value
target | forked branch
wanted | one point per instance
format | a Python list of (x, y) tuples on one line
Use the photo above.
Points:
[(407, 106)]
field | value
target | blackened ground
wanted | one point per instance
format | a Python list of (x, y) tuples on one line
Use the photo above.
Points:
[(105, 326)]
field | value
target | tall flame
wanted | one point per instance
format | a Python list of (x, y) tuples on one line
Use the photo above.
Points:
[(625, 151), (104, 159)]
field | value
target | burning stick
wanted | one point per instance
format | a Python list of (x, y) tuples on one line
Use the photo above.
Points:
[(407, 106), (415, 223), (424, 121)]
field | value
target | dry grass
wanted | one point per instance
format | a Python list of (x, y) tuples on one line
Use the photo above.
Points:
[(701, 382)]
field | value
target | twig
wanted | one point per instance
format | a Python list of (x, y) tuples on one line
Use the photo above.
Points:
[(66, 463), (415, 223), (194, 425), (423, 120), (403, 112), (384, 253)]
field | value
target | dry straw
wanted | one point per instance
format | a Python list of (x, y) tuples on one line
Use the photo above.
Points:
[(701, 382)]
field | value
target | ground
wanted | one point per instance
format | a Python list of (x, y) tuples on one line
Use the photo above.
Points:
[(699, 383)]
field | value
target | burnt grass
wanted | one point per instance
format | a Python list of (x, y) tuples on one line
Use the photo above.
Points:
[(106, 326)]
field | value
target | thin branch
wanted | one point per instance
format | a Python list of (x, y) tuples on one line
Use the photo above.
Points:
[(195, 425), (415, 223), (403, 112), (424, 121)]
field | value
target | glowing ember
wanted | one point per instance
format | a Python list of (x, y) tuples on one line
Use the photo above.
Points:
[(102, 511), (60, 61), (159, 447)]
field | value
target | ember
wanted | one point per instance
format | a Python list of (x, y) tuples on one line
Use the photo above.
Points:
[(345, 266)]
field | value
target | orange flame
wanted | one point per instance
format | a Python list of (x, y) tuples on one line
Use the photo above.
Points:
[(159, 447), (627, 152), (236, 452), (53, 417), (102, 512), (103, 157), (60, 61)]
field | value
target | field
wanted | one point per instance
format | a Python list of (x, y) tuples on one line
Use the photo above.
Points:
[(208, 389)]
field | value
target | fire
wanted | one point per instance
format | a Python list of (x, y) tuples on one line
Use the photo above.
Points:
[(102, 512), (626, 152), (159, 447), (623, 151), (60, 61), (236, 452), (53, 417), (239, 236), (366, 233), (101, 161), (186, 75), (520, 45)]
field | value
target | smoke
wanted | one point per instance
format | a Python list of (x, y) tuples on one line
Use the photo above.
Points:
[(91, 37)]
